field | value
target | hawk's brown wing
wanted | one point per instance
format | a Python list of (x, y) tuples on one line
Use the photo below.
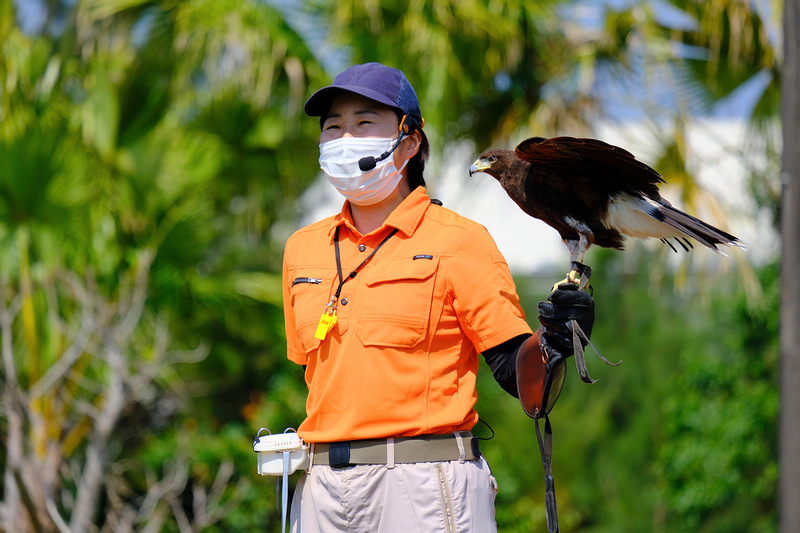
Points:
[(601, 165)]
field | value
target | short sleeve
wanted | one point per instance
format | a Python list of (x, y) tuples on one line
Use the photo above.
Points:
[(483, 292)]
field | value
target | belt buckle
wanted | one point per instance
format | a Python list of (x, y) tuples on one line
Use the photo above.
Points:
[(339, 454)]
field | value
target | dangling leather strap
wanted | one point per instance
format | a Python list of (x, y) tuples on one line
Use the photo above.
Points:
[(578, 335), (546, 450)]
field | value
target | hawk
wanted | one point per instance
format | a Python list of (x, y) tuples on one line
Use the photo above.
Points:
[(592, 192)]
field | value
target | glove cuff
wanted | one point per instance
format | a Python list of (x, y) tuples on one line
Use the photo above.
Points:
[(540, 375)]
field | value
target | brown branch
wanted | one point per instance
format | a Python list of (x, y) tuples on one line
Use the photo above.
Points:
[(106, 334), (96, 459), (55, 516), (209, 507), (11, 393), (134, 310), (26, 499), (55, 374)]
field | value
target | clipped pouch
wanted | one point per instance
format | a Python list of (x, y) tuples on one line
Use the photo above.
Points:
[(281, 455), (272, 452)]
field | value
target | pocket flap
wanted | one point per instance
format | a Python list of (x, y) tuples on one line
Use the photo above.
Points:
[(419, 267)]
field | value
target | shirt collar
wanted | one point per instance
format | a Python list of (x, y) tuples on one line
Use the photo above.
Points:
[(406, 217)]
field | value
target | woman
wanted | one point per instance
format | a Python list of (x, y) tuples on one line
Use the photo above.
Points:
[(387, 306)]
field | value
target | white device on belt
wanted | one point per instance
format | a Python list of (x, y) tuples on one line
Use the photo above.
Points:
[(280, 455)]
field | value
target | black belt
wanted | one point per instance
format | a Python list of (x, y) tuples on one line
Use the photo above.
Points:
[(461, 446)]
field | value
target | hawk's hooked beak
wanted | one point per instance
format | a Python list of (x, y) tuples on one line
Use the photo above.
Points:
[(480, 165)]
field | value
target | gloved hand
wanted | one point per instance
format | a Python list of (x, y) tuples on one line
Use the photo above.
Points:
[(541, 368), (563, 305)]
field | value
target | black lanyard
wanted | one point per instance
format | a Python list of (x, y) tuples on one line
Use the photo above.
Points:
[(355, 271)]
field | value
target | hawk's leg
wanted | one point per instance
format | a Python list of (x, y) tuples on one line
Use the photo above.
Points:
[(579, 273)]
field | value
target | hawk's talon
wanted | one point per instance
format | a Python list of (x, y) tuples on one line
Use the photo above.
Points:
[(573, 276), (562, 282), (578, 275)]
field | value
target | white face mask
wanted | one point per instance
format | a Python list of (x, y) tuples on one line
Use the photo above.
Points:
[(339, 160)]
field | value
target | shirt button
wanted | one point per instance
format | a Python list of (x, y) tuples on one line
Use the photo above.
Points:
[(361, 247), (344, 301)]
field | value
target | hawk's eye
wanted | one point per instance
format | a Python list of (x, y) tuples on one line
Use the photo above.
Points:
[(492, 159)]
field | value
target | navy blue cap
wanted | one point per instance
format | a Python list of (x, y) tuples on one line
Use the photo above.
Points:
[(377, 82)]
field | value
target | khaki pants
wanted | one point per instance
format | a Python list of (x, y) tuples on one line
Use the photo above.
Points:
[(447, 497)]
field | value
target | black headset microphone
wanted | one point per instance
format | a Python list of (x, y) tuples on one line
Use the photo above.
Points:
[(370, 162)]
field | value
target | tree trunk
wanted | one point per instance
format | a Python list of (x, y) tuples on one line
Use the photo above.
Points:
[(789, 447)]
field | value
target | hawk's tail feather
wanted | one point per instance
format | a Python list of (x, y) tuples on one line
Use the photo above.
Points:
[(702, 232), (666, 241), (686, 244)]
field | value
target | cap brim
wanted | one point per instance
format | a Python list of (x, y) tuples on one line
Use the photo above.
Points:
[(318, 103)]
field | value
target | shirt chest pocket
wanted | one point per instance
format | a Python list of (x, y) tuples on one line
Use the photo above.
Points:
[(396, 302), (310, 292)]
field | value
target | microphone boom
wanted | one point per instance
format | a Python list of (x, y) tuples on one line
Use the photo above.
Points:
[(368, 163)]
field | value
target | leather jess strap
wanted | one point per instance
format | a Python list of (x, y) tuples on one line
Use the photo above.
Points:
[(423, 449)]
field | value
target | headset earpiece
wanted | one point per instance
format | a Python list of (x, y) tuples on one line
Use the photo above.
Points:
[(403, 126), (411, 126)]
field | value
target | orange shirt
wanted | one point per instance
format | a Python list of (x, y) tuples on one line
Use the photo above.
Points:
[(403, 357)]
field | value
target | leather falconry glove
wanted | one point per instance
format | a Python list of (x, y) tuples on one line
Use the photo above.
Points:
[(540, 362), (567, 318), (556, 314)]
